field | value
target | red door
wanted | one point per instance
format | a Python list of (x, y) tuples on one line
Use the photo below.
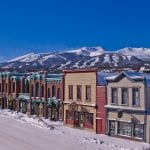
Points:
[(76, 118), (98, 126)]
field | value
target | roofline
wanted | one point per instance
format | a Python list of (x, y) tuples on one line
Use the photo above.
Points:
[(80, 70), (124, 73)]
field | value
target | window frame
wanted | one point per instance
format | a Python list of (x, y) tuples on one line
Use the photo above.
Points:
[(87, 97), (79, 93), (14, 87), (135, 88), (48, 92), (124, 88), (0, 87), (121, 128), (42, 91), (116, 101), (70, 92), (58, 93)]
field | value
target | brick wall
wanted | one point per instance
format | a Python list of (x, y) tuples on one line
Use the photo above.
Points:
[(101, 111)]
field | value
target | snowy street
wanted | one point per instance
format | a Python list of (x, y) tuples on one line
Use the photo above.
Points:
[(17, 131)]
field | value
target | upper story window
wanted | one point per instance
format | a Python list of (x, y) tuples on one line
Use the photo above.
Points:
[(53, 91), (3, 87), (32, 92), (88, 93), (42, 90), (70, 91), (135, 97), (125, 96), (114, 96), (49, 94), (0, 87), (14, 87), (27, 87), (58, 93), (79, 92), (6, 87), (37, 89)]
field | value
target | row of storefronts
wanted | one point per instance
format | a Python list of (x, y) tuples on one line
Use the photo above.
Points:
[(32, 93), (116, 104)]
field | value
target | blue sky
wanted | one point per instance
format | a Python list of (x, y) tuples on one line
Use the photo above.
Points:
[(44, 25)]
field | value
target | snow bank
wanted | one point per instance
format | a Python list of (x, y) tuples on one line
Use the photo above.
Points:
[(73, 136)]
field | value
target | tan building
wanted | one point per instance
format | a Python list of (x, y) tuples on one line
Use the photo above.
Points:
[(80, 98), (128, 104)]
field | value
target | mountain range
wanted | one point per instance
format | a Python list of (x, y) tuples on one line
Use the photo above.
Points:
[(83, 57)]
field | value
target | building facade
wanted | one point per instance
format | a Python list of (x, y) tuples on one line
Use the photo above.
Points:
[(37, 93), (128, 104), (55, 97), (84, 100)]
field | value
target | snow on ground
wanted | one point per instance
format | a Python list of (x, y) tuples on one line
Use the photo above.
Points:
[(18, 131)]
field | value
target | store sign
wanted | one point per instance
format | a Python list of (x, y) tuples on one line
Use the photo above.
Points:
[(84, 109), (73, 106)]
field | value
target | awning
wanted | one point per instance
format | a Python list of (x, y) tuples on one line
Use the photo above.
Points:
[(53, 102), (24, 98), (37, 101)]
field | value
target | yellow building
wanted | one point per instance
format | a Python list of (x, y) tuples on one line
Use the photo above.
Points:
[(80, 98)]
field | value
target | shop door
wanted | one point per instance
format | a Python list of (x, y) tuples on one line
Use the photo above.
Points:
[(53, 114), (98, 126), (111, 127), (76, 119)]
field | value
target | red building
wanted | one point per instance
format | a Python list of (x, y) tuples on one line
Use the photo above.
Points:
[(55, 97)]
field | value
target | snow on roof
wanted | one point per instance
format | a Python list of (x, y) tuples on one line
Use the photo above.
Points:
[(132, 75), (103, 75)]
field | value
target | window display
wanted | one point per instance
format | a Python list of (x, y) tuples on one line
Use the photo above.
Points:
[(124, 128)]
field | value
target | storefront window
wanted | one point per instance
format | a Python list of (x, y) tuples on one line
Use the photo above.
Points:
[(138, 130), (124, 128), (69, 115), (89, 118), (112, 126)]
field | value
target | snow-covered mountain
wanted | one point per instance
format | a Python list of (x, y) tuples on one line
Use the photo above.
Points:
[(81, 58), (88, 51), (141, 52)]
